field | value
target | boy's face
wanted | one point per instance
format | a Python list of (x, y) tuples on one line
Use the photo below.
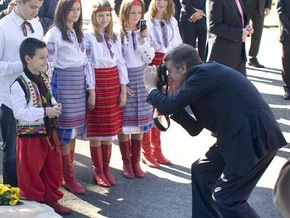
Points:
[(29, 9), (37, 63)]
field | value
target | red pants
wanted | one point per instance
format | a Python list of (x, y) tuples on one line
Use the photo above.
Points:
[(39, 170)]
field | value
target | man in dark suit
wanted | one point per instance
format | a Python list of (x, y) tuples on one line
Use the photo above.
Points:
[(193, 25), (223, 101), (256, 10), (227, 24), (283, 10)]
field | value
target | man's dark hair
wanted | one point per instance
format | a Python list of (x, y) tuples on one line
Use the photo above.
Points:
[(183, 54), (28, 47)]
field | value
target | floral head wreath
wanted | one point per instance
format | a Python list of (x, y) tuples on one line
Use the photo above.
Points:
[(99, 9)]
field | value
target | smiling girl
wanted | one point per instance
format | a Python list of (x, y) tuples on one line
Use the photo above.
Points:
[(104, 122), (137, 113), (71, 80)]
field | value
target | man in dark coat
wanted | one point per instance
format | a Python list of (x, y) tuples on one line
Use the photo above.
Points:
[(46, 13), (256, 10), (228, 28), (283, 10), (223, 101)]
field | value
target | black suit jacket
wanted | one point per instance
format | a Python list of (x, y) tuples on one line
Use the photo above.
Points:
[(260, 5), (283, 10), (226, 29), (224, 101)]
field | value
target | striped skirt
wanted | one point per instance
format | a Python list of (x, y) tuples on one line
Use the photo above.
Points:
[(158, 58), (137, 112), (68, 88), (106, 118)]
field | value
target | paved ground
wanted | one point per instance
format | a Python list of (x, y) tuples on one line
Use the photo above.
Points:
[(166, 192)]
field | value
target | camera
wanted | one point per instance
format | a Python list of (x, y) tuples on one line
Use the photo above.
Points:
[(142, 25), (162, 81), (162, 76)]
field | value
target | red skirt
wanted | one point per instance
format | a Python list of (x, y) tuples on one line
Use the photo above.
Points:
[(158, 58), (106, 117)]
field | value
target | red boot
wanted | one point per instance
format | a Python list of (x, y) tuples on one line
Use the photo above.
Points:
[(126, 157), (136, 152), (147, 157), (107, 150), (69, 181), (98, 166), (58, 208), (156, 146)]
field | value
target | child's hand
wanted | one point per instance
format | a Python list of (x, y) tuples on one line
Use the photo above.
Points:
[(122, 99), (130, 92), (54, 111), (142, 36), (91, 100)]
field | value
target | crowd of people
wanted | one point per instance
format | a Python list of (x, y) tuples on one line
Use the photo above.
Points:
[(61, 83)]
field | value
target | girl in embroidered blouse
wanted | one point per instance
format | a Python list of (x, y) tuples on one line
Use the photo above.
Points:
[(104, 122), (72, 79), (163, 35), (137, 113)]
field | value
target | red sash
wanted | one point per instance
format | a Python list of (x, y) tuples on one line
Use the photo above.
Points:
[(158, 58)]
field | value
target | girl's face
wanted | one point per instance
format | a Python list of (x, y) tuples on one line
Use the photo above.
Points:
[(103, 19), (161, 5), (135, 15), (74, 13)]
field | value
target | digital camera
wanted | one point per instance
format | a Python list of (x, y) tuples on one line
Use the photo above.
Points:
[(162, 76)]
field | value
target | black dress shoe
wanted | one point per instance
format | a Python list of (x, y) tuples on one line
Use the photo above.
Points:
[(255, 63), (286, 96)]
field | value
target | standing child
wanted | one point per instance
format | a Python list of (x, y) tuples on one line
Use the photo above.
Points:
[(14, 28), (137, 113), (38, 152), (70, 80), (104, 122), (163, 35)]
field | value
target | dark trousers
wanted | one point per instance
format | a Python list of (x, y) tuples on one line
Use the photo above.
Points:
[(286, 64), (215, 194), (258, 24), (194, 34), (8, 129)]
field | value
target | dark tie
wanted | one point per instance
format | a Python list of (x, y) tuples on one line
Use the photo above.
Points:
[(164, 34), (109, 45), (24, 27), (134, 40)]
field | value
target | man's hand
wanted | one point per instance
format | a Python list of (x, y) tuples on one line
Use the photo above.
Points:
[(266, 12), (150, 78), (199, 14)]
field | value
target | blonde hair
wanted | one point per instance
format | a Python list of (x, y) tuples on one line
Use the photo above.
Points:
[(94, 23), (125, 13), (169, 11)]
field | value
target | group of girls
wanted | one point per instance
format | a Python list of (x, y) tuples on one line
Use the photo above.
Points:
[(97, 75)]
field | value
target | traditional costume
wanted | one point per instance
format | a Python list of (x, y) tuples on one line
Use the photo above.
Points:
[(104, 121), (137, 113), (163, 36), (72, 76)]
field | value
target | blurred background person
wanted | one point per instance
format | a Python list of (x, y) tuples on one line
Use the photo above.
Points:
[(46, 13), (256, 11), (6, 7), (283, 10)]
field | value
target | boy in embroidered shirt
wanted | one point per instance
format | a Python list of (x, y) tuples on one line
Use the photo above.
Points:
[(14, 28), (38, 155)]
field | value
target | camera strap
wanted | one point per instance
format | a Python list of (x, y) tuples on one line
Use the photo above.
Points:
[(158, 124)]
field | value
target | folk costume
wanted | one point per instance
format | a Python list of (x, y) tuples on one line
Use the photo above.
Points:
[(104, 121), (137, 113), (163, 36), (39, 167), (72, 76), (11, 36)]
